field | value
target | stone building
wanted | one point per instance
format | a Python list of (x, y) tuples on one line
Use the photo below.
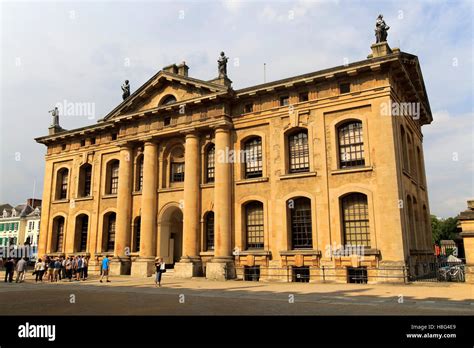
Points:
[(466, 224), (265, 182)]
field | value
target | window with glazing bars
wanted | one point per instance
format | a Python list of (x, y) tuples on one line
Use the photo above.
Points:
[(111, 233), (355, 220), (59, 235), (298, 152), (253, 158), (84, 228), (210, 163), (210, 231), (301, 229), (63, 193), (138, 227), (140, 174), (87, 181), (114, 177), (254, 225), (351, 145), (177, 172)]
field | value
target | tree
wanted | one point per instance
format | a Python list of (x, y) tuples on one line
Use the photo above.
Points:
[(443, 228)]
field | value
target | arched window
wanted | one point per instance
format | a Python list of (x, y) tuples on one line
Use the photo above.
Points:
[(254, 225), (62, 183), (112, 177), (209, 228), (82, 227), (58, 228), (253, 158), (298, 152), (351, 144), (416, 222), (300, 223), (355, 220), (404, 147), (109, 231), (136, 234), (139, 174), (210, 163), (411, 156), (85, 180), (169, 99), (177, 164)]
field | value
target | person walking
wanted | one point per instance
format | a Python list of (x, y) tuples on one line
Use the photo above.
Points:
[(39, 270), (85, 264), (9, 268), (20, 270), (57, 269), (80, 267), (160, 269), (105, 269)]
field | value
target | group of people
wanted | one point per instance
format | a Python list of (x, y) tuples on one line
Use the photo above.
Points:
[(58, 268), (11, 265)]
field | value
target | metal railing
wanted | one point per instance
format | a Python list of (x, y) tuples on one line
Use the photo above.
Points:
[(441, 271)]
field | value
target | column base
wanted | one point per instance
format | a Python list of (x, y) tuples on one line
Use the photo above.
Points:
[(143, 267), (220, 269), (120, 266), (469, 274), (94, 267), (188, 268)]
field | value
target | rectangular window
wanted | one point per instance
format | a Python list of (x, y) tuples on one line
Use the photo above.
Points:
[(114, 177), (177, 172), (248, 108), (2, 227), (299, 152), (92, 141), (357, 275), (84, 228), (301, 274), (63, 193), (167, 121), (254, 224), (285, 100), (351, 145), (211, 154), (344, 88), (355, 220), (111, 234), (252, 273), (114, 136), (83, 142), (253, 158), (303, 97)]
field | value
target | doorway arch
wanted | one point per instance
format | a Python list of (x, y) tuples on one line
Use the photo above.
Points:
[(170, 245)]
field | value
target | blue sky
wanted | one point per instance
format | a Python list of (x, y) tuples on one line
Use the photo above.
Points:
[(53, 51)]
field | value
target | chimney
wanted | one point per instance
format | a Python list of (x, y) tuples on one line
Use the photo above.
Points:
[(181, 69), (33, 202)]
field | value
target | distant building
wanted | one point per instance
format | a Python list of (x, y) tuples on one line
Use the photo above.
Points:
[(466, 223), (20, 225)]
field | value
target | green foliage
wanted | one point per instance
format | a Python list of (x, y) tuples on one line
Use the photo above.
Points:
[(443, 228)]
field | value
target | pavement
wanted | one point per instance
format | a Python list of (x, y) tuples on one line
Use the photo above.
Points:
[(126, 295)]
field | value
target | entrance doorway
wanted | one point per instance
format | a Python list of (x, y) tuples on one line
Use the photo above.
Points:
[(171, 236)]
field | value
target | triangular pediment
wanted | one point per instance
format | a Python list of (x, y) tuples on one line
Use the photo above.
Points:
[(162, 89)]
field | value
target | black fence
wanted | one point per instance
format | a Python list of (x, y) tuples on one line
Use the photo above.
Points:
[(441, 271), (305, 274)]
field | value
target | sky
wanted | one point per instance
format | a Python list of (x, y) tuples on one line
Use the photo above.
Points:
[(81, 52)]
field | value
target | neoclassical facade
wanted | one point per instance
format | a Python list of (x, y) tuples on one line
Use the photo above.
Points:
[(262, 183)]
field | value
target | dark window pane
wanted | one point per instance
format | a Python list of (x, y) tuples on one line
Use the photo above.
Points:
[(111, 233), (177, 172), (114, 177), (210, 165), (253, 158), (298, 152), (84, 228), (355, 217), (210, 231), (351, 145), (301, 228), (254, 225)]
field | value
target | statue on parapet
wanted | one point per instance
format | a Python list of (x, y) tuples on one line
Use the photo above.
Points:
[(126, 90), (222, 65), (381, 29), (55, 114)]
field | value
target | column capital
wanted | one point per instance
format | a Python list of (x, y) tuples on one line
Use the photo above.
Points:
[(222, 127), (125, 145), (191, 133), (147, 141)]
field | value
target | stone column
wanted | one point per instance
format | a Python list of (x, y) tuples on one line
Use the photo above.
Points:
[(121, 261), (144, 266), (222, 266), (190, 263)]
